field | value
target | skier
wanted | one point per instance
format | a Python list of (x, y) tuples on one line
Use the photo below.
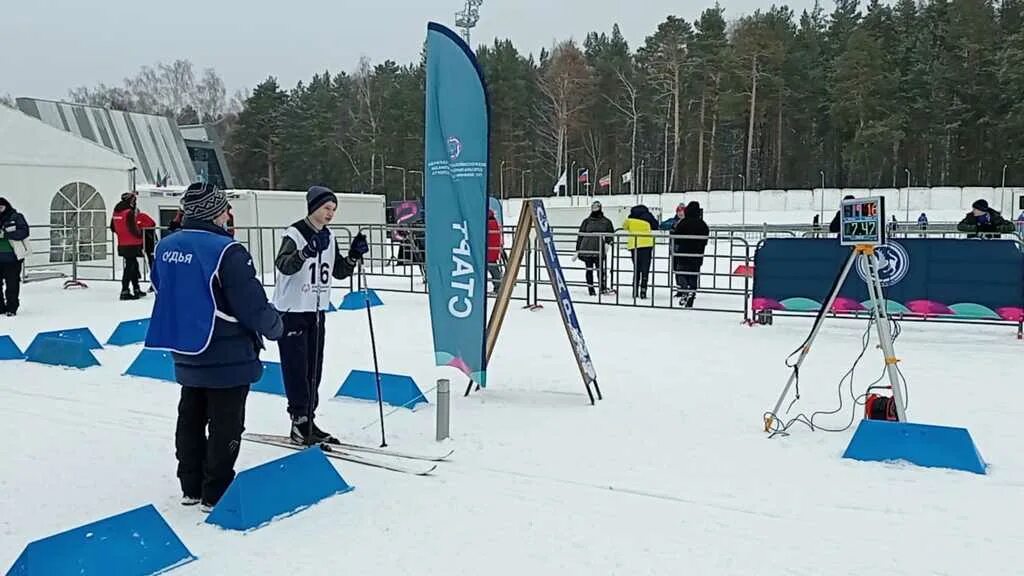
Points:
[(688, 253), (128, 224), (640, 244), (590, 247), (13, 249), (211, 312), (303, 293), (984, 222)]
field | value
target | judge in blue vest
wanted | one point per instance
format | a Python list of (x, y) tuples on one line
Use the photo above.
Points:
[(212, 314)]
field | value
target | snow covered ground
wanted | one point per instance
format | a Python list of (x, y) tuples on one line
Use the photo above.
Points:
[(671, 474)]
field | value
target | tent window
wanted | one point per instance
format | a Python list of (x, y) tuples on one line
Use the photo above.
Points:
[(78, 215)]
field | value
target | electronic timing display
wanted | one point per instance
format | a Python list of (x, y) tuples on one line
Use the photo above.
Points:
[(862, 221)]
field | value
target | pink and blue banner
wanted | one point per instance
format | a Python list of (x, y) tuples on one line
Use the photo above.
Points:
[(967, 279)]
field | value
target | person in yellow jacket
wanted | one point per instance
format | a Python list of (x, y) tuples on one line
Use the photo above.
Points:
[(640, 224)]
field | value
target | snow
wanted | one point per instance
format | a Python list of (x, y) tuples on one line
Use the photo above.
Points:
[(670, 474)]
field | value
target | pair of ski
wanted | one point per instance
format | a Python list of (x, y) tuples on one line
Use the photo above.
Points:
[(418, 464)]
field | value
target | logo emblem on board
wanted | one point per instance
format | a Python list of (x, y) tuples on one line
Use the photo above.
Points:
[(454, 148), (893, 264)]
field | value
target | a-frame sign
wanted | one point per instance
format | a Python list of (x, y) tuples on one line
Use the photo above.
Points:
[(534, 217)]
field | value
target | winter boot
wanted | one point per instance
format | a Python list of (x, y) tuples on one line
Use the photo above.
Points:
[(126, 295), (139, 293), (206, 507), (306, 433), (187, 500)]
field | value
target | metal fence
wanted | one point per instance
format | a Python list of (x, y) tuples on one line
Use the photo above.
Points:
[(396, 263)]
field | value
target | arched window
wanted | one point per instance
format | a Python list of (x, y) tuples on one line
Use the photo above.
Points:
[(77, 211)]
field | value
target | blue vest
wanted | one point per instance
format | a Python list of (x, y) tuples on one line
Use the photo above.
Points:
[(184, 270)]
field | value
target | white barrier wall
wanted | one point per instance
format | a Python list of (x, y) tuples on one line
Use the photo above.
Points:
[(797, 206)]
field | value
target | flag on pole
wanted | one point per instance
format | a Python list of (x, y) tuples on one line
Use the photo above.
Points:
[(605, 181), (563, 181), (627, 177), (456, 136), (584, 176)]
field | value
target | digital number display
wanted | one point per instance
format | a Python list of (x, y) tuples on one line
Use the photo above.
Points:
[(862, 221)]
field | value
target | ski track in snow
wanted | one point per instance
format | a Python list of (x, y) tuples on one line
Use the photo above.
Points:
[(670, 474)]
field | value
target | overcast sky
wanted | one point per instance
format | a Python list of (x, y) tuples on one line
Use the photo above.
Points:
[(48, 46)]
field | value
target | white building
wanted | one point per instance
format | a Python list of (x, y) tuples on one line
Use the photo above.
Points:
[(60, 182)]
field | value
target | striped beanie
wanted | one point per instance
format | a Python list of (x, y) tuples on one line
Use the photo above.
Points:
[(203, 201)]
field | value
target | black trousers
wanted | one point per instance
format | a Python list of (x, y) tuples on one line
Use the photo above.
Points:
[(206, 463), (302, 360), (10, 286), (641, 269), (687, 274), (595, 262)]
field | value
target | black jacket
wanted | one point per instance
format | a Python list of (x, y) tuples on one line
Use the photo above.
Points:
[(992, 229), (14, 227), (233, 356), (596, 223), (684, 248)]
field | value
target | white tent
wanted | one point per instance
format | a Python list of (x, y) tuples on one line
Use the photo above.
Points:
[(59, 181)]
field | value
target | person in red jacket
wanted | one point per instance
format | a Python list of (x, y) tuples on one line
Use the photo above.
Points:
[(128, 225), (495, 246)]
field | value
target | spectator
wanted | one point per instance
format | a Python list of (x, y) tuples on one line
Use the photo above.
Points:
[(495, 246), (894, 225), (1020, 223), (590, 248), (688, 253), (816, 223), (833, 226), (127, 224), (671, 222), (984, 222), (640, 225), (922, 221), (13, 250)]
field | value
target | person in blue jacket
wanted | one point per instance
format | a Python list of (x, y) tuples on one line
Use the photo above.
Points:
[(212, 314)]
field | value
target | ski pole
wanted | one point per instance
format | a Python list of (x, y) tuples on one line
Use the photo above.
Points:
[(373, 346)]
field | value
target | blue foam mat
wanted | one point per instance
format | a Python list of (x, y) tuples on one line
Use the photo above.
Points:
[(129, 332), (9, 349), (134, 543), (276, 490), (396, 389), (60, 351), (920, 444)]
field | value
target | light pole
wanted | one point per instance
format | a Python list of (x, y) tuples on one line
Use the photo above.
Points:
[(743, 195), (404, 197), (523, 189), (907, 170), (423, 182), (501, 179), (1001, 195), (571, 178), (822, 215)]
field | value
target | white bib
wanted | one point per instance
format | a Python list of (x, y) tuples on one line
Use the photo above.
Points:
[(301, 291)]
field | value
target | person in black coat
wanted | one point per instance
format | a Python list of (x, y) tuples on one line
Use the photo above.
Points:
[(591, 246), (13, 250), (833, 226), (212, 313), (688, 253), (984, 222)]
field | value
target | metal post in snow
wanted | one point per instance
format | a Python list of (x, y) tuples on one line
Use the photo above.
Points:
[(443, 410)]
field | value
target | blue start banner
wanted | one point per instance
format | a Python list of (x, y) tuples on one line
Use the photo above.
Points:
[(457, 131), (565, 305), (975, 279)]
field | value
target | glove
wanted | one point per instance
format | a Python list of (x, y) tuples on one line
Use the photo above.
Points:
[(317, 244), (358, 248)]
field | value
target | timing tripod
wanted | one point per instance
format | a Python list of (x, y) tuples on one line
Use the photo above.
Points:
[(864, 253)]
